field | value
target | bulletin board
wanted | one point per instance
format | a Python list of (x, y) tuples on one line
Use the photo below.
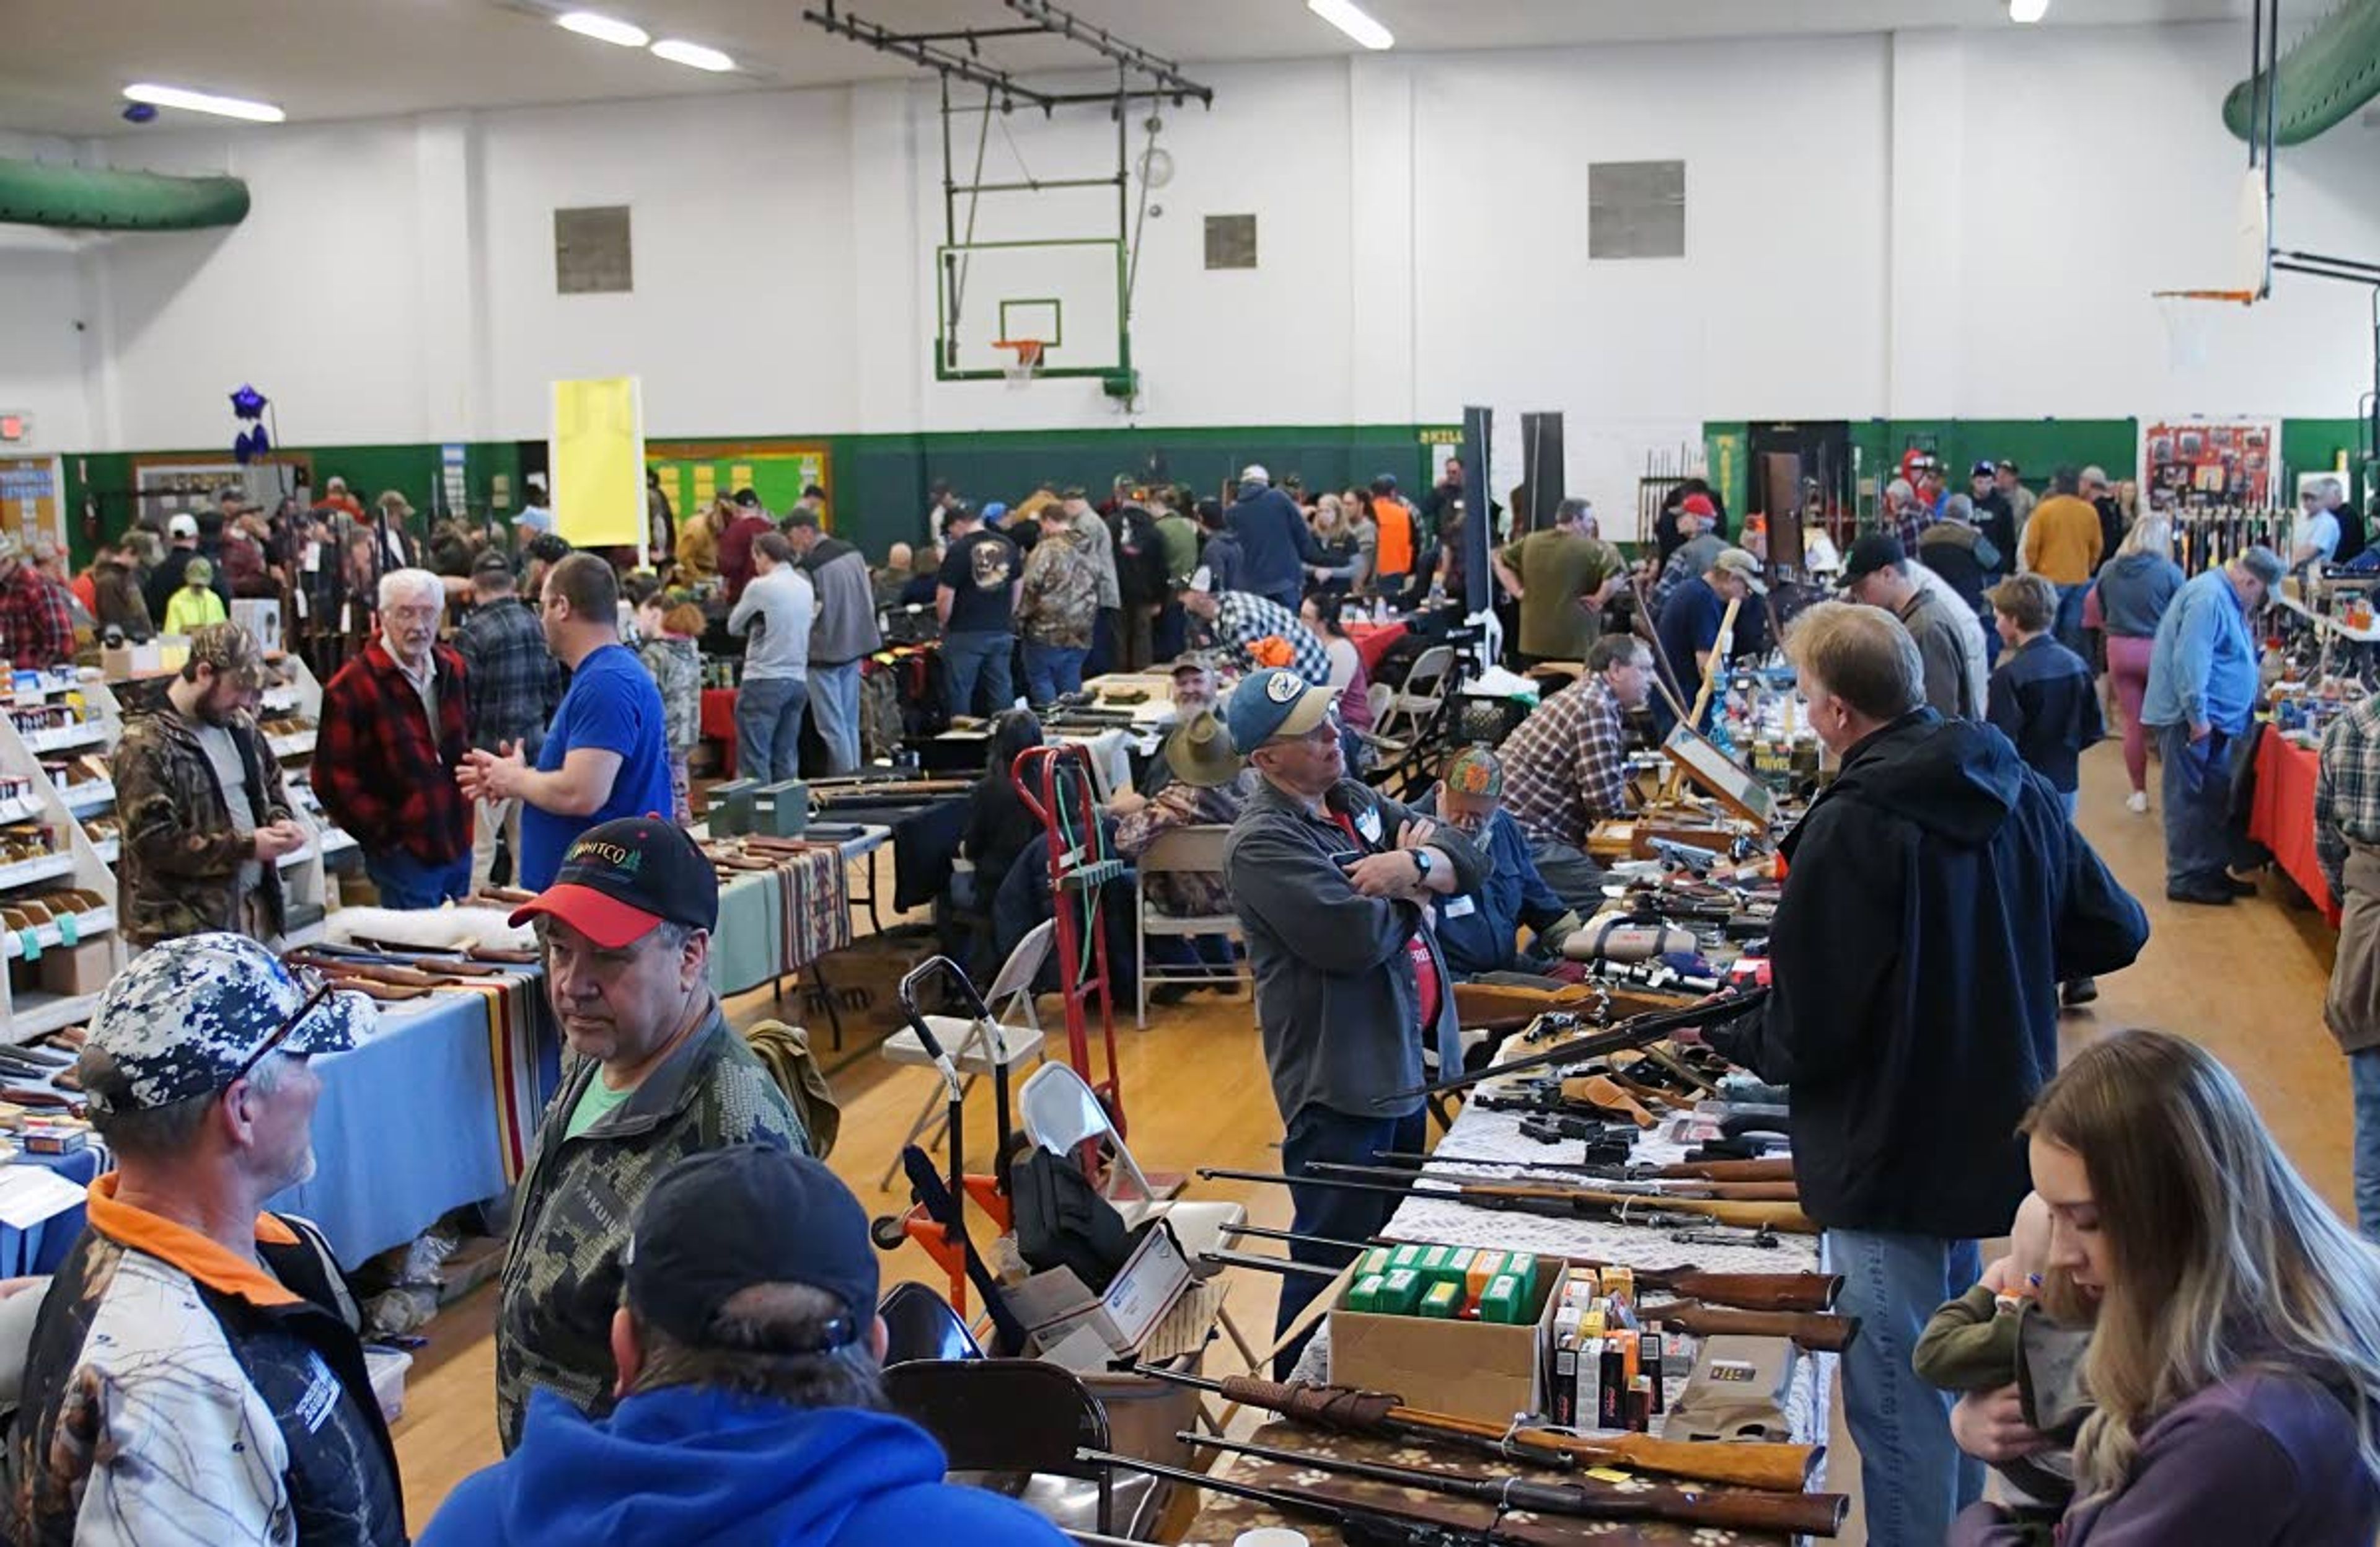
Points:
[(31, 499), (693, 474), (2202, 463)]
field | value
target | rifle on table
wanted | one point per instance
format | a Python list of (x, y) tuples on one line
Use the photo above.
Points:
[(1780, 1468), (1635, 1032), (1432, 1168), (1806, 1292), (1816, 1333), (1356, 1526), (1723, 1509), (1536, 1198), (1776, 1169)]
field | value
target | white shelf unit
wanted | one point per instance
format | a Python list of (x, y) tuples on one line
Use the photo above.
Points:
[(304, 881), (30, 1011)]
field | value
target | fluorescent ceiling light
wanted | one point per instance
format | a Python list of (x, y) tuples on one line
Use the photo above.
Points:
[(2028, 10), (204, 101), (1352, 20), (587, 24), (677, 51)]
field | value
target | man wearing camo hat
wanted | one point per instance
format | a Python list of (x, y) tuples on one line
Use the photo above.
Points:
[(204, 813), (194, 1373)]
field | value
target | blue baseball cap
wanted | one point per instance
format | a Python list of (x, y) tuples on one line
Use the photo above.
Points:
[(1275, 701), (993, 513)]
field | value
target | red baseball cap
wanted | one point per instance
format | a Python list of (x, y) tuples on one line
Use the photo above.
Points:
[(620, 879), (1699, 504)]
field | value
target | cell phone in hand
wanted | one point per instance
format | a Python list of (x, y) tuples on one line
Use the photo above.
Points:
[(1346, 857)]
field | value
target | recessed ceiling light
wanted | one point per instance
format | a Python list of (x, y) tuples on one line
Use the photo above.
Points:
[(2028, 10), (677, 51), (204, 101), (1352, 20), (604, 29)]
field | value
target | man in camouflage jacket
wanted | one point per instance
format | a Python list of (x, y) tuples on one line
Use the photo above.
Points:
[(655, 1075), (204, 813)]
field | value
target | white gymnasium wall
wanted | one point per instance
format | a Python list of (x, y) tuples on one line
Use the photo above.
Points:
[(43, 329), (1937, 223)]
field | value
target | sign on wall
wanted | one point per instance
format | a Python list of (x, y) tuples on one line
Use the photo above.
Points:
[(597, 462)]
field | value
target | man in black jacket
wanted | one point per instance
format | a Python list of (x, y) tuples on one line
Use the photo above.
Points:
[(1937, 898), (1274, 534)]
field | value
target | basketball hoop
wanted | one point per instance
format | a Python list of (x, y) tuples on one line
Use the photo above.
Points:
[(2189, 319), (1029, 359)]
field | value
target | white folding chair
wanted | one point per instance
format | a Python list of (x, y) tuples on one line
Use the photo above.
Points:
[(970, 1042), (1410, 707), (1177, 849), (1062, 1115)]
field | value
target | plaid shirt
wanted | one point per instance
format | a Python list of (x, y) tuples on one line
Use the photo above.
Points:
[(1909, 524), (512, 679), (1566, 767), (36, 624), (376, 767), (1241, 619), (2347, 791)]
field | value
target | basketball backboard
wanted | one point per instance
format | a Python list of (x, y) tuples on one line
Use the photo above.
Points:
[(1068, 294)]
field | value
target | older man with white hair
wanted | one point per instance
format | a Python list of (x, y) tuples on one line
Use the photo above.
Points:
[(395, 727), (2322, 535)]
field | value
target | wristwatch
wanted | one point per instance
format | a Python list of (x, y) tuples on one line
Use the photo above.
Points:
[(1421, 866)]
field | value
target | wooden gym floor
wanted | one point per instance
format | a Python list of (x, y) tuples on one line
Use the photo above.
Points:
[(2247, 982)]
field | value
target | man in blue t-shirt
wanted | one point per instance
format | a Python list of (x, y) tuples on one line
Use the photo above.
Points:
[(605, 754), (1688, 626)]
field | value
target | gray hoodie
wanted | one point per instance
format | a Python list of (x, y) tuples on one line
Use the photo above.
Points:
[(845, 628)]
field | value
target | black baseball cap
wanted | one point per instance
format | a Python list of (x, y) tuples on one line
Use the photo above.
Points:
[(1876, 551), (1985, 468), (490, 564), (620, 879), (723, 1221)]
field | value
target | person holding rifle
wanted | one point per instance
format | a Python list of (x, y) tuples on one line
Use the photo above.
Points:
[(1938, 895), (1333, 884)]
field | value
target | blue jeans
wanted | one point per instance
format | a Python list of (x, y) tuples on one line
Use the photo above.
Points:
[(834, 702), (2363, 1075), (404, 881), (768, 728), (1050, 670), (1170, 635), (2195, 781), (1911, 1475), (1316, 1133), (972, 655), (2068, 626), (1106, 641)]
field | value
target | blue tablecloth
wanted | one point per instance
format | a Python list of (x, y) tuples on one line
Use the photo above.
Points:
[(406, 1127), (42, 1247)]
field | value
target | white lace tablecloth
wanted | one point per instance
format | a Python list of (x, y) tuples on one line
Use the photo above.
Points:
[(1497, 1135)]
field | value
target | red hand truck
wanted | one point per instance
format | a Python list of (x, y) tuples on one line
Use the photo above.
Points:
[(1056, 785)]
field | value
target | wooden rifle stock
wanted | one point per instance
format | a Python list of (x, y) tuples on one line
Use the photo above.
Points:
[(1729, 1509), (1792, 1292), (1818, 1333), (1787, 1217), (1776, 1467), (1778, 1169)]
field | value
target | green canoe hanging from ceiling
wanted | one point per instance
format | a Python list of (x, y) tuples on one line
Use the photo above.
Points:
[(103, 199), (2326, 76)]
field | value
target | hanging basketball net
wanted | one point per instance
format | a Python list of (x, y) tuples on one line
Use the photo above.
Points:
[(1029, 359), (2189, 318)]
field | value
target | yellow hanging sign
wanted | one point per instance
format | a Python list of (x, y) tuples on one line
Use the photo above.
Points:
[(597, 456)]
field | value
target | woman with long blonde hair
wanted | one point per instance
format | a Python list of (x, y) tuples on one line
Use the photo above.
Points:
[(2236, 1359)]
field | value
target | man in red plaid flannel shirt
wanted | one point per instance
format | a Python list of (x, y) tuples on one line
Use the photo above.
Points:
[(36, 624), (395, 725)]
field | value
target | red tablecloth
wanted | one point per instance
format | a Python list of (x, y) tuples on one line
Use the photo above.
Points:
[(1374, 641), (2281, 816), (719, 725)]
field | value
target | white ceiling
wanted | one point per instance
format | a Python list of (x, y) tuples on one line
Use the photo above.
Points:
[(63, 63)]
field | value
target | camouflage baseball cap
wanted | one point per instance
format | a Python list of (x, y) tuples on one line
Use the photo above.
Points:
[(193, 1014), (231, 650)]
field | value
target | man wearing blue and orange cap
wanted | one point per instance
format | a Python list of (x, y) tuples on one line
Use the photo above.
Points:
[(654, 1076), (1480, 932), (1333, 884)]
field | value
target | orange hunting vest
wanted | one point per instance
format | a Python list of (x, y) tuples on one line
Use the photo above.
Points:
[(1395, 555)]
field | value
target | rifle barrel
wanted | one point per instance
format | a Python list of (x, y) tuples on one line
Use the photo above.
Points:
[(1521, 1194)]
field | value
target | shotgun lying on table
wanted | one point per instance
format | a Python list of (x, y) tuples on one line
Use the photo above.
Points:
[(1776, 1169), (1744, 1291), (1635, 1032), (1547, 1198), (1779, 1469), (1722, 1509)]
